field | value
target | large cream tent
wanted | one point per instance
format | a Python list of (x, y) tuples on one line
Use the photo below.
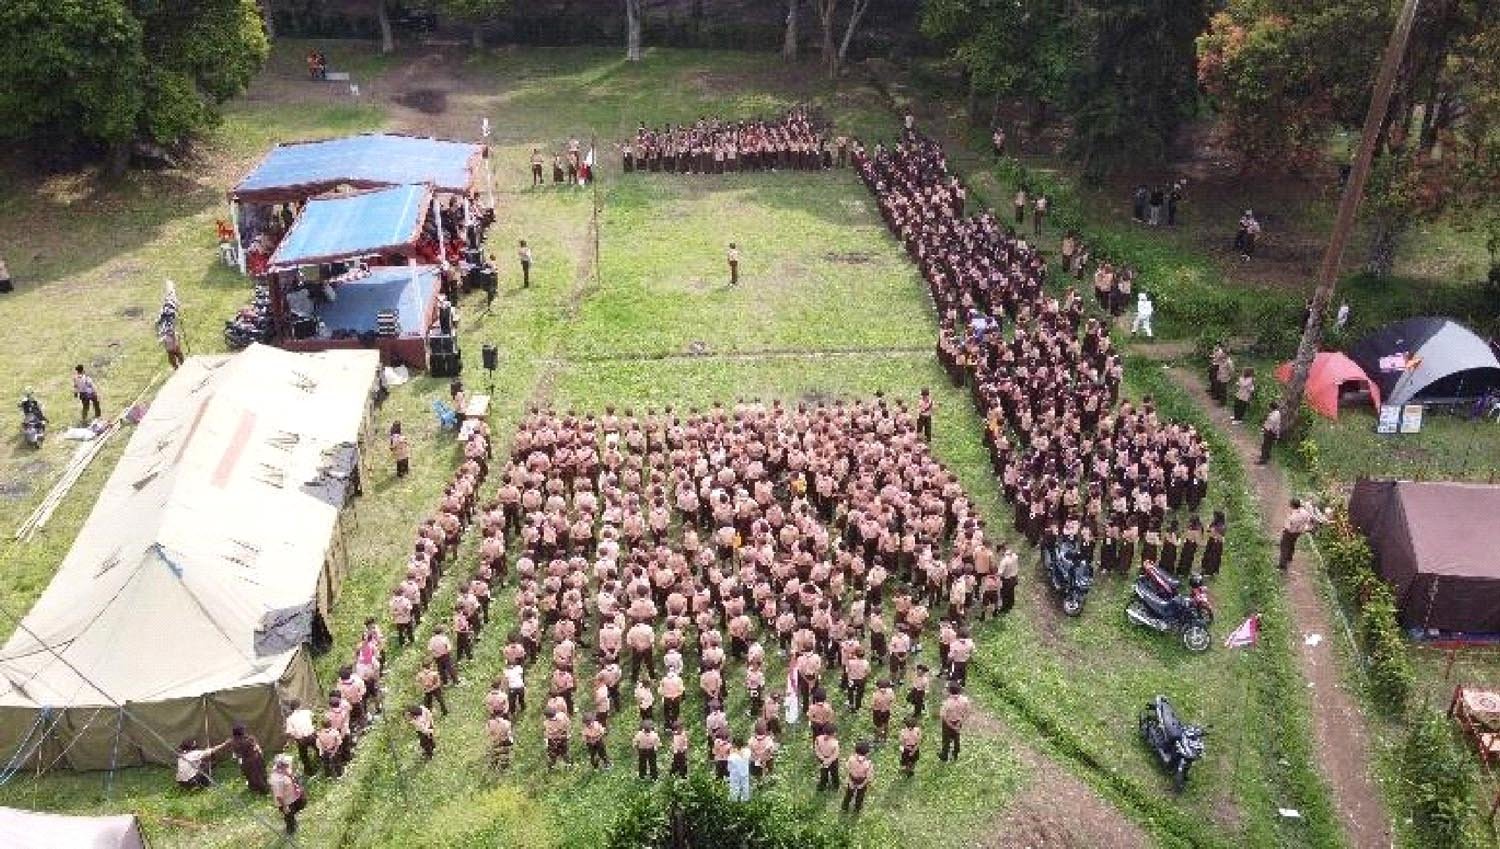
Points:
[(187, 601), (32, 830)]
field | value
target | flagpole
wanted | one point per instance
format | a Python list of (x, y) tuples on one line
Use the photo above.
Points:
[(594, 182)]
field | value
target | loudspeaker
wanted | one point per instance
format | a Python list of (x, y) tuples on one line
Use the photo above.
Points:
[(439, 343), (445, 365), (491, 357)]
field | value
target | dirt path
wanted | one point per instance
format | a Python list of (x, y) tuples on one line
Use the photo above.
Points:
[(1342, 736)]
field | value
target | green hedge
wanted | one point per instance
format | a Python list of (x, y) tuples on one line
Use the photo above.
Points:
[(697, 812), (1350, 564), (1438, 784)]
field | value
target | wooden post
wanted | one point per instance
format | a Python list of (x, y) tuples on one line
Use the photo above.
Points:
[(1354, 189), (239, 243)]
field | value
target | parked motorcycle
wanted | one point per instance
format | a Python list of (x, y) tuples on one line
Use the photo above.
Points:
[(1160, 605), (33, 422), (1070, 572), (1176, 744)]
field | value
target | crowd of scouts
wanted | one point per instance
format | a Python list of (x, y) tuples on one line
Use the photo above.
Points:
[(1074, 460), (792, 142), (709, 579)]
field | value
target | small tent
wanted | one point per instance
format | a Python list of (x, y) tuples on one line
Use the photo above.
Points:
[(1435, 544), (356, 224), (21, 829), (188, 599), (1427, 359), (1331, 376)]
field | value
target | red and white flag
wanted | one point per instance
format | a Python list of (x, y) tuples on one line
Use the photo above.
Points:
[(1245, 635)]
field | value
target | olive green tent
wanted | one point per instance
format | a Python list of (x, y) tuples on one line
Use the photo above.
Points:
[(187, 601)]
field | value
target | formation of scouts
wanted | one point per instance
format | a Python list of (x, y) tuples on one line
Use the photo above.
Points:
[(688, 575), (792, 142), (1073, 459)]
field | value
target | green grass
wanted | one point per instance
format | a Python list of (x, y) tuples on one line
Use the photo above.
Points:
[(829, 307)]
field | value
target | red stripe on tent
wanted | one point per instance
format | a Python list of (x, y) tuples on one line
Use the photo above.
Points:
[(236, 448)]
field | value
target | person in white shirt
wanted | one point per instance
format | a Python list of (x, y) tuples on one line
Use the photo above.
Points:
[(193, 765), (1144, 310), (300, 729)]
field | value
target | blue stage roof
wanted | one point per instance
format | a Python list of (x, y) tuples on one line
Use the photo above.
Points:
[(393, 287), (344, 226), (301, 170)]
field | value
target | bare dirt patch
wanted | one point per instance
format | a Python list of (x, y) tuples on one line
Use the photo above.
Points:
[(428, 101), (1058, 811)]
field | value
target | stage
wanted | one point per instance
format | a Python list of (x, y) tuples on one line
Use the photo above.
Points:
[(350, 317)]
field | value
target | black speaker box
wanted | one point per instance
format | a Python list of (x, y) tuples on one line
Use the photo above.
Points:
[(491, 357), (445, 365)]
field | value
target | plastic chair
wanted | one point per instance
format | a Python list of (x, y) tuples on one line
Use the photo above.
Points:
[(447, 417)]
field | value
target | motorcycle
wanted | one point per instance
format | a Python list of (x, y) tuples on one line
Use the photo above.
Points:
[(1070, 573), (1176, 744), (33, 423), (1160, 606)]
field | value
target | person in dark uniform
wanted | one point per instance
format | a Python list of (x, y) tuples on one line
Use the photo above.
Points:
[(246, 750), (536, 167), (733, 257), (1213, 547)]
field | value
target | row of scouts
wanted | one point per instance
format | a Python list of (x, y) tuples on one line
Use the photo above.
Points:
[(792, 142)]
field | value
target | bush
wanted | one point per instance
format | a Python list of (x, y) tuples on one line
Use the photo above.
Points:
[(697, 812), (1350, 566), (1438, 780)]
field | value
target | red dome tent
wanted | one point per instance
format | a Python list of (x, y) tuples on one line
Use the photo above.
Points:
[(1331, 373)]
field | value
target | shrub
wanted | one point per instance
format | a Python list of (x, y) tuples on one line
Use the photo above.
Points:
[(697, 812), (1350, 565), (1438, 781)]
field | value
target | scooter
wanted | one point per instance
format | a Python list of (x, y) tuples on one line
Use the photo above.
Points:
[(1070, 573), (1160, 606), (33, 423), (1176, 744)]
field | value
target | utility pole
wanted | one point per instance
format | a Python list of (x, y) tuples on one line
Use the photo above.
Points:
[(1354, 190)]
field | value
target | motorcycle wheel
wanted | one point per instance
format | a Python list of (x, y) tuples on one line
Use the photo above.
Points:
[(1196, 638), (1179, 776), (1138, 607), (1072, 605)]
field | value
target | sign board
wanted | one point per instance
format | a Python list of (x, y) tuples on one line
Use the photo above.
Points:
[(1390, 419), (1411, 418)]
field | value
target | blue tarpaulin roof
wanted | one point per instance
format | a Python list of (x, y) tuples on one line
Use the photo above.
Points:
[(344, 226), (395, 287), (301, 170)]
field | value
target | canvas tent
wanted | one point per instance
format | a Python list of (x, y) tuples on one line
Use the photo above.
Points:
[(33, 830), (1436, 544), (360, 224), (1427, 358), (1332, 375), (187, 599), (294, 172)]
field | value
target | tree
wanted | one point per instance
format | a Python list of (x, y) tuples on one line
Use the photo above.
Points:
[(108, 73), (1018, 47), (476, 13), (1122, 70), (856, 14), (827, 14), (1134, 84), (387, 34), (789, 42), (633, 30), (1280, 93)]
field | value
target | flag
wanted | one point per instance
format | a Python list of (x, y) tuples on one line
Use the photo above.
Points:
[(1245, 635)]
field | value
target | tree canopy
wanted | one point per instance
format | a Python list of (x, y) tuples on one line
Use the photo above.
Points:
[(1122, 70), (1285, 74), (106, 73)]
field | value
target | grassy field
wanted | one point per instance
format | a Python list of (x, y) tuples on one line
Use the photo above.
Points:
[(829, 307)]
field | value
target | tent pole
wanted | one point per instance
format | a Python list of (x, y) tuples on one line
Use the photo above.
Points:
[(239, 243), (114, 754), (437, 211)]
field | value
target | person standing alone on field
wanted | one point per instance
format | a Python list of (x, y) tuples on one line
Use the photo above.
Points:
[(733, 256), (1144, 310), (87, 393), (536, 167), (400, 450), (523, 253), (1020, 204), (924, 415)]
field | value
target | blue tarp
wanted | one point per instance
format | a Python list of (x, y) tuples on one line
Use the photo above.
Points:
[(356, 303), (297, 171), (333, 228)]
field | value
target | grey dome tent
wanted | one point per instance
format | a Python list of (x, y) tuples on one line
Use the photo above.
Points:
[(1427, 359)]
